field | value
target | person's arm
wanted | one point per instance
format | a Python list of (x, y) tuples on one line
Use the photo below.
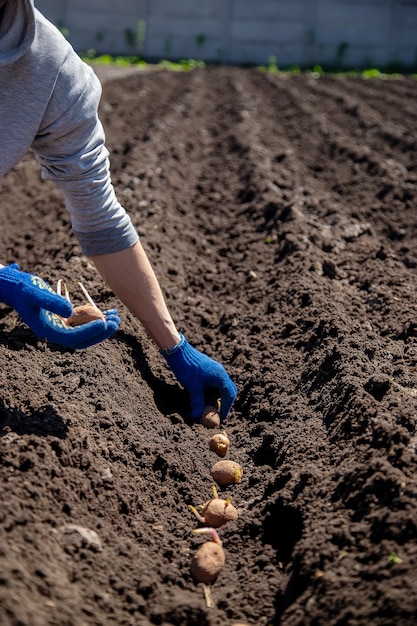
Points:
[(130, 276)]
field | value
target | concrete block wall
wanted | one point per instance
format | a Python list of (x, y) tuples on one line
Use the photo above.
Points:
[(347, 33)]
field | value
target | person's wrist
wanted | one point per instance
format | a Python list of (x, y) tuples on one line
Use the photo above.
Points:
[(171, 350)]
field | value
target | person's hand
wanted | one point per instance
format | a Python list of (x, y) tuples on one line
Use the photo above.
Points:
[(42, 310), (198, 374)]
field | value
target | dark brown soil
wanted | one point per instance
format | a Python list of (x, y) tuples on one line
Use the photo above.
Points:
[(280, 213)]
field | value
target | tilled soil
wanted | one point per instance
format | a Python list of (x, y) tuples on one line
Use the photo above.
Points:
[(280, 213)]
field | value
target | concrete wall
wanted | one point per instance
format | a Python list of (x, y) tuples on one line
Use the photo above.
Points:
[(347, 33)]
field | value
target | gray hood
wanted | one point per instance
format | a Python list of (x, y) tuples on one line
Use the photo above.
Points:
[(17, 29)]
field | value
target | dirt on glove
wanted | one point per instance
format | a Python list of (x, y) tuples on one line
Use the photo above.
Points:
[(280, 214)]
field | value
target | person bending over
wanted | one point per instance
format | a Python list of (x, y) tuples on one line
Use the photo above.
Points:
[(60, 122)]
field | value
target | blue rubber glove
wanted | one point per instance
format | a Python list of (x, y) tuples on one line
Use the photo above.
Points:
[(41, 309), (197, 373)]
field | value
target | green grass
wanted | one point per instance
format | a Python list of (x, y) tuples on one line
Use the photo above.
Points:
[(317, 71), (185, 65), (107, 59)]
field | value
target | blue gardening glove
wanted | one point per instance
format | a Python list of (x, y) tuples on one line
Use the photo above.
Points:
[(198, 373), (41, 309)]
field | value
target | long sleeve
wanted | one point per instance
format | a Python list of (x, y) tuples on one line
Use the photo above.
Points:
[(70, 146), (49, 100)]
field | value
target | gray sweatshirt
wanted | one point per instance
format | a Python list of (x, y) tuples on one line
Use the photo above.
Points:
[(48, 102)]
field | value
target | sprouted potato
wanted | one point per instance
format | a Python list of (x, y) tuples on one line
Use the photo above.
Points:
[(219, 443), (85, 312), (226, 472), (210, 417), (216, 512), (208, 560)]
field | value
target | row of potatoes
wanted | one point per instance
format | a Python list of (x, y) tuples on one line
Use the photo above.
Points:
[(209, 558)]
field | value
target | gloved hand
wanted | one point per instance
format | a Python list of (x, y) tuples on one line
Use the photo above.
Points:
[(198, 373), (41, 309)]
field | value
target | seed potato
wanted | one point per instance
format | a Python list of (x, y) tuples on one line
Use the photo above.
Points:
[(207, 562), (217, 512), (226, 472), (210, 417), (83, 314), (219, 443)]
